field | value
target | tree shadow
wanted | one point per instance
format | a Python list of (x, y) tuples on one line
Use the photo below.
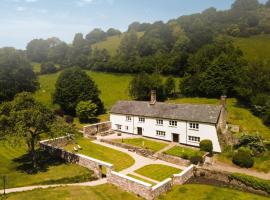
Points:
[(44, 161)]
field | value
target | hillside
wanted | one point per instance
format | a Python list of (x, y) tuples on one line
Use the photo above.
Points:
[(112, 43), (255, 47)]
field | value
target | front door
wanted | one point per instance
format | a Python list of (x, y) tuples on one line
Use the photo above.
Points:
[(175, 137), (139, 130)]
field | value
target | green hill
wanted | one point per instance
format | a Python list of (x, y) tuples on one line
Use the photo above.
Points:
[(255, 47), (112, 43)]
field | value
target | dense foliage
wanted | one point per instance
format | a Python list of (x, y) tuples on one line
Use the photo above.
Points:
[(243, 158), (86, 110), (16, 74), (206, 145), (48, 68), (74, 86)]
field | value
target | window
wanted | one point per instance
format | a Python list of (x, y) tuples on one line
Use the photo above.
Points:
[(160, 133), (127, 128), (119, 127), (159, 122), (194, 139), (128, 118), (173, 123), (194, 126), (141, 119)]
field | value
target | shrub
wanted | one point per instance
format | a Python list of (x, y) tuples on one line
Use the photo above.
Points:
[(47, 68), (206, 145), (86, 110), (253, 182), (243, 158), (196, 159), (69, 119)]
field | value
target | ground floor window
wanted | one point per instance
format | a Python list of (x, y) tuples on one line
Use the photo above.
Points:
[(194, 139), (118, 127), (160, 133), (127, 128)]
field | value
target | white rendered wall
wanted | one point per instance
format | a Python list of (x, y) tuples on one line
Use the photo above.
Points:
[(149, 128)]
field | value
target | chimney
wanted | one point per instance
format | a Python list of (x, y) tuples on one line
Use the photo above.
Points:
[(153, 97), (223, 101)]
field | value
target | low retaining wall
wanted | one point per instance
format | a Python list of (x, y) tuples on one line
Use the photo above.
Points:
[(138, 150), (82, 160), (162, 188), (184, 176), (173, 159), (94, 129)]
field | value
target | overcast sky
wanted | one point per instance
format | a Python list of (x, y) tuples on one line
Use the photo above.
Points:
[(24, 20)]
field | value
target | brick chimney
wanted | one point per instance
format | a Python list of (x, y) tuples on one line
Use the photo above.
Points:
[(223, 100), (153, 99)]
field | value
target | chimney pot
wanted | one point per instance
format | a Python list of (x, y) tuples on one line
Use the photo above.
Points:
[(153, 97)]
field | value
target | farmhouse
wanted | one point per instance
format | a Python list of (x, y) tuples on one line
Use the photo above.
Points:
[(182, 123)]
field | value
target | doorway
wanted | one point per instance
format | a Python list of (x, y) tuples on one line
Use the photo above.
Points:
[(139, 130), (175, 137)]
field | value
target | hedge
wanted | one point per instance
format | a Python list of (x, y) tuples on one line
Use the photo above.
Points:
[(252, 181)]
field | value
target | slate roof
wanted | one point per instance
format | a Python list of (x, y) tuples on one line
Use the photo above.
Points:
[(186, 112)]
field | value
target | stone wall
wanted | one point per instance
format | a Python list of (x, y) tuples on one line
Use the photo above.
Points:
[(161, 188), (138, 150), (94, 129), (184, 176), (82, 160), (173, 159)]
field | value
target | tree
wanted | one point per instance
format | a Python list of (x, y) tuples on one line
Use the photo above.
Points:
[(170, 87), (28, 119), (47, 68), (113, 32), (96, 35), (58, 53), (37, 50), (16, 74), (245, 5), (267, 4), (73, 86), (86, 110), (128, 46)]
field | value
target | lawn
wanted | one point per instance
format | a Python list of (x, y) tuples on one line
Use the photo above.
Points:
[(101, 192), (237, 115), (157, 172), (207, 192), (184, 152), (144, 143), (141, 179), (255, 47), (119, 159), (14, 165)]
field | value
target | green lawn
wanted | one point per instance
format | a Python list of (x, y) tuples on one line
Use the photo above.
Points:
[(112, 43), (144, 143), (157, 172), (255, 47), (119, 159), (102, 192), (207, 192), (141, 179), (14, 164), (184, 152)]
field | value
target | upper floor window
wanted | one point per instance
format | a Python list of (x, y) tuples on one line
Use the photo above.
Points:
[(160, 133), (194, 126), (128, 118), (159, 122), (173, 123), (141, 119)]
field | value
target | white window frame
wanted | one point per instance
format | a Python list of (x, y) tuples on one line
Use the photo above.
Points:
[(194, 139), (128, 118), (173, 123), (141, 119), (159, 122), (160, 133), (194, 126)]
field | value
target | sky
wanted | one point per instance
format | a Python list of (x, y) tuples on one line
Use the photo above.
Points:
[(24, 20)]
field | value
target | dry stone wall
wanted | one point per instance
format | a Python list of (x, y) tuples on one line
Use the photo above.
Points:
[(173, 159), (94, 129), (184, 176)]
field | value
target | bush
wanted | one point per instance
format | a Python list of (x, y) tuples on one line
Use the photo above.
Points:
[(243, 158), (206, 145), (196, 159), (47, 68), (86, 110), (253, 182), (69, 119)]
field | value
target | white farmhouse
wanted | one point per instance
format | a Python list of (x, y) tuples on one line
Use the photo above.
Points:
[(182, 123)]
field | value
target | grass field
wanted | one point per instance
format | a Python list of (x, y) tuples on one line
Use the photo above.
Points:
[(14, 163), (144, 143), (184, 152), (141, 179), (119, 159), (255, 47), (112, 43), (157, 172)]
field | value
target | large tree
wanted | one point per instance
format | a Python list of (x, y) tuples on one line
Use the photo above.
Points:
[(27, 119), (37, 50), (16, 74), (73, 86)]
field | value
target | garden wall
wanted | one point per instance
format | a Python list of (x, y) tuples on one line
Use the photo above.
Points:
[(184, 176), (82, 160), (94, 129), (172, 159), (161, 188)]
